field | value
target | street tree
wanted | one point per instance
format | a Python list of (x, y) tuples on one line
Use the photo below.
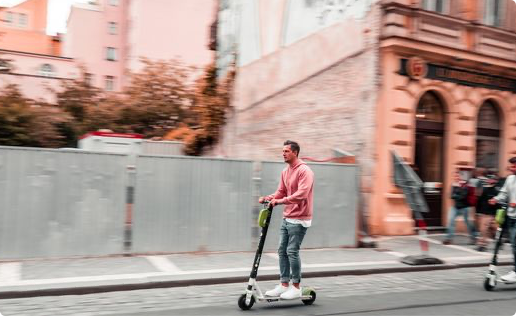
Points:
[(211, 104), (89, 108), (157, 99), (24, 122)]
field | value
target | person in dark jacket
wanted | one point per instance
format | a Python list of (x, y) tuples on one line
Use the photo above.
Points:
[(461, 207), (486, 212)]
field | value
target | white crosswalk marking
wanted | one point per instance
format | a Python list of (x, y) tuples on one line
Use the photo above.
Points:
[(10, 272), (272, 255), (163, 264)]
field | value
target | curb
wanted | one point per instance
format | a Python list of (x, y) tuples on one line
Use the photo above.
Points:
[(92, 289)]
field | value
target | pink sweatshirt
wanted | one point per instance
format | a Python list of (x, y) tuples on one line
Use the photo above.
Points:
[(296, 191)]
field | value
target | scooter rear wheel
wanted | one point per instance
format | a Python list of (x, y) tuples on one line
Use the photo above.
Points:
[(311, 300), (487, 284), (243, 305)]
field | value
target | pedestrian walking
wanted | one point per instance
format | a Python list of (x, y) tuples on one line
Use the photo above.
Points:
[(486, 212), (460, 208)]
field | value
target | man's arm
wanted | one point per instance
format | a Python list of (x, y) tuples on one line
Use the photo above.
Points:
[(306, 181), (280, 192)]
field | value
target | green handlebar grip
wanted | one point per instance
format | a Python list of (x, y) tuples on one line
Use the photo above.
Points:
[(500, 216), (262, 217)]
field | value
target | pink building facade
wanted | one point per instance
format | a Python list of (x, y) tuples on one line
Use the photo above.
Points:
[(96, 39), (23, 28), (164, 29), (109, 37), (37, 75), (34, 59)]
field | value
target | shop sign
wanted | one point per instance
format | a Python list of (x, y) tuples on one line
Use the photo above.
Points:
[(416, 68)]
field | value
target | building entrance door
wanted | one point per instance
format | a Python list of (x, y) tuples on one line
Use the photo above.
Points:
[(429, 166), (429, 155)]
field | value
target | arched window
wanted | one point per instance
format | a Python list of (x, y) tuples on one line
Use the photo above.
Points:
[(429, 108), (46, 70), (488, 136)]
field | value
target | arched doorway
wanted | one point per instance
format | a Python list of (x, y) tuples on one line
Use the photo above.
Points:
[(488, 137), (429, 153)]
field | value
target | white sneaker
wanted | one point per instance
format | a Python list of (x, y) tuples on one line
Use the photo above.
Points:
[(277, 291), (509, 277), (292, 293)]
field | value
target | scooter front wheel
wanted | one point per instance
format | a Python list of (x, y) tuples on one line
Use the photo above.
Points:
[(487, 284), (242, 304)]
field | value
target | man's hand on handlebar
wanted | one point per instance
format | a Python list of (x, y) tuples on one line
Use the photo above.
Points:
[(263, 199), (275, 202)]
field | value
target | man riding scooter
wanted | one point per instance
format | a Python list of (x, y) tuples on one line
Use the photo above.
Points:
[(295, 190)]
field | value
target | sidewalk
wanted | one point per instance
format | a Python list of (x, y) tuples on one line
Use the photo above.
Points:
[(93, 275)]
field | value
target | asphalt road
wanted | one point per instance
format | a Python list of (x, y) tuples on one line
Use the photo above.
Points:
[(444, 292)]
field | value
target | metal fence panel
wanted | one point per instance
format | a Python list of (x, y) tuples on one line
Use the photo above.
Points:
[(192, 204), (335, 205), (150, 147), (60, 203)]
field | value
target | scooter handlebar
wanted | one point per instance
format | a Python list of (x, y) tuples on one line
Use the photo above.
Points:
[(502, 204), (268, 205)]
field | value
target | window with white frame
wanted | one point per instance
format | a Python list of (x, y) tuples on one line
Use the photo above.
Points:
[(5, 66), (110, 83), (113, 2), (88, 78), (9, 17), (439, 6), (112, 28), (493, 11), (22, 19), (46, 70), (111, 53)]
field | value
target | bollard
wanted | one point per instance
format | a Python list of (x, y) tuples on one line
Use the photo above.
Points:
[(128, 222)]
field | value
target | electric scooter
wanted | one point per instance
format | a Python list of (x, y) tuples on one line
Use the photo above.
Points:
[(253, 292), (492, 277)]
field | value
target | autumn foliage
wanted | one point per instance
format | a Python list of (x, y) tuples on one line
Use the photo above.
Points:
[(164, 100)]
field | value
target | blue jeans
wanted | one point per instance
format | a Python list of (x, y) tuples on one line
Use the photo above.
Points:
[(291, 236), (511, 226), (454, 212)]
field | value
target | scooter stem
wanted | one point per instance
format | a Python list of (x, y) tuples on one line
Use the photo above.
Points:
[(258, 255)]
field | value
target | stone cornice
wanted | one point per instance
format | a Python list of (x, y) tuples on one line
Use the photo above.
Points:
[(419, 26)]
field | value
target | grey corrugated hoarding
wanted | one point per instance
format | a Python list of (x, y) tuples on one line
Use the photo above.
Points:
[(60, 203), (192, 204), (69, 203)]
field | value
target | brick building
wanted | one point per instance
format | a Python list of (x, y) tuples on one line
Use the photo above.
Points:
[(434, 80)]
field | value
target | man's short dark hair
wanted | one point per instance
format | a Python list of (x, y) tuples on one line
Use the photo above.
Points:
[(293, 145), (512, 160)]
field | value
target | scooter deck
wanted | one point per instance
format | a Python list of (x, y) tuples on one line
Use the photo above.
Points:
[(504, 282), (277, 298)]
